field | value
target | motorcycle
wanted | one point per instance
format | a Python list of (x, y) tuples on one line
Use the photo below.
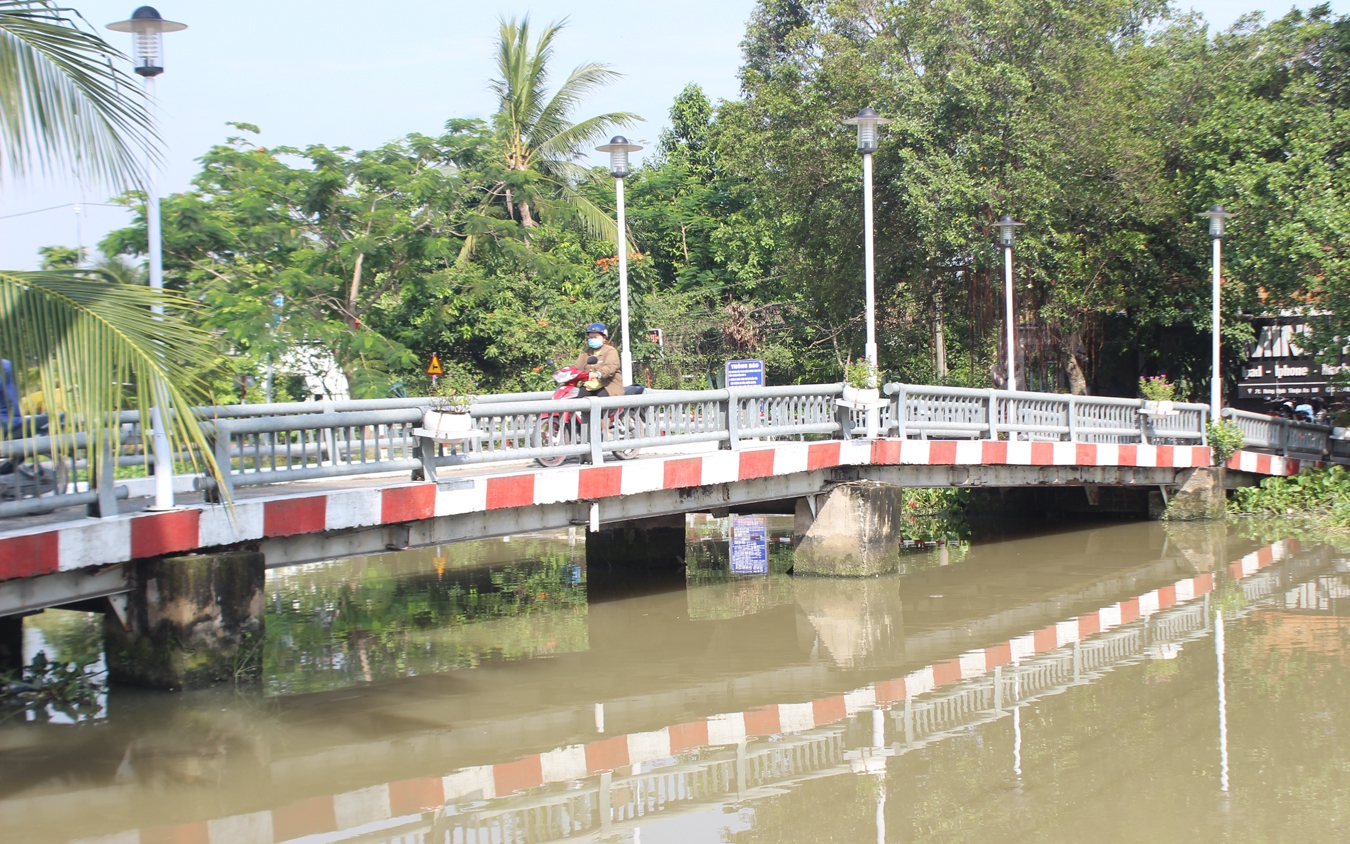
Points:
[(563, 427)]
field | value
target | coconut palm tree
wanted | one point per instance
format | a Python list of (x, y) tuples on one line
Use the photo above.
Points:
[(88, 343), (543, 145)]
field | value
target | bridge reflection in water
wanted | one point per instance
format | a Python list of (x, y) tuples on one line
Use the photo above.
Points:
[(634, 708)]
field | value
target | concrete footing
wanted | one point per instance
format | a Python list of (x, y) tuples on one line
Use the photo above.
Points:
[(1200, 496), (658, 542), (192, 622), (855, 533)]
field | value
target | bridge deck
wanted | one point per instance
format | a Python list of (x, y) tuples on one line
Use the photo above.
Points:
[(578, 494)]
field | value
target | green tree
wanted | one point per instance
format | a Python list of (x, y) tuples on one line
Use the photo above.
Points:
[(542, 144)]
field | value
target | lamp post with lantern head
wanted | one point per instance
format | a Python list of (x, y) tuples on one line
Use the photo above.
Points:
[(147, 51), (867, 120), (1217, 217), (618, 149), (1007, 235)]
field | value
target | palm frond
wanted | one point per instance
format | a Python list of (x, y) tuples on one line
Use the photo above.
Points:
[(523, 74), (93, 347), (598, 222), (64, 105), (573, 140), (553, 117)]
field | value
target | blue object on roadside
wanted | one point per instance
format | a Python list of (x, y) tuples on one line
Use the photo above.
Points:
[(745, 373), (10, 417)]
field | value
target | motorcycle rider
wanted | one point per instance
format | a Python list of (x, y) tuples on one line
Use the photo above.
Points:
[(601, 360)]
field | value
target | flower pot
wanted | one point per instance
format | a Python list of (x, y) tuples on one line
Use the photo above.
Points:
[(868, 395), (442, 423), (850, 393), (1159, 408)]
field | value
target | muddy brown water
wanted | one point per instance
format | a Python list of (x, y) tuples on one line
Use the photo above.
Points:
[(1127, 682)]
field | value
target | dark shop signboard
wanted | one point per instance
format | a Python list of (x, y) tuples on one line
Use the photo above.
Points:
[(1279, 366)]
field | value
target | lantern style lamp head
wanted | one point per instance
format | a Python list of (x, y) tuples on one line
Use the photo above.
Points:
[(1216, 216), (147, 49), (618, 149), (867, 122), (1007, 231)]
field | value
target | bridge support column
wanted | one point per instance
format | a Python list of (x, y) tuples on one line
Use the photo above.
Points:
[(656, 542), (855, 533), (192, 622), (1200, 496)]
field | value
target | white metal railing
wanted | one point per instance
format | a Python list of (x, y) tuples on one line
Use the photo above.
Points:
[(947, 412), (299, 441), (1289, 438)]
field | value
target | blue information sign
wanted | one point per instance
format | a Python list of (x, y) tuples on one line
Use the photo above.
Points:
[(749, 545), (745, 373)]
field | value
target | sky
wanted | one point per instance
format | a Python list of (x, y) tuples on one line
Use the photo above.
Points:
[(353, 74)]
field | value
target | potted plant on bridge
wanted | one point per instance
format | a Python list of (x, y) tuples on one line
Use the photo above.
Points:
[(447, 416), (859, 383), (1159, 396)]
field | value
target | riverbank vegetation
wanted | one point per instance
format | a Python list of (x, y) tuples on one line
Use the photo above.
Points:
[(1105, 125), (1314, 497)]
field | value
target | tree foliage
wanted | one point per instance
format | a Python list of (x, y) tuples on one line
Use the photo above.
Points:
[(1105, 125)]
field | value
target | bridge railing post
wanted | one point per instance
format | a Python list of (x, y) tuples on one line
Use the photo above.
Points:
[(424, 449), (596, 430), (731, 409), (220, 443), (900, 413), (992, 399), (1073, 420), (104, 467), (844, 416)]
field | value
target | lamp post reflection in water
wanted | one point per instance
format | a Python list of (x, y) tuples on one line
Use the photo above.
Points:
[(1017, 726), (878, 744), (1223, 704)]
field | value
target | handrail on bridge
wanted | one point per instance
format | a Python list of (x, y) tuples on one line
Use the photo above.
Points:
[(298, 441)]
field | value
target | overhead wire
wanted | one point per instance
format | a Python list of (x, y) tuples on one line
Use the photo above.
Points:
[(64, 205)]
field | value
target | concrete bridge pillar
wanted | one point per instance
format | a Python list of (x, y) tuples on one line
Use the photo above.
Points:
[(1199, 495), (856, 532), (191, 622)]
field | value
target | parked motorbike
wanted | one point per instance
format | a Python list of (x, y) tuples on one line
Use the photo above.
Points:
[(561, 428)]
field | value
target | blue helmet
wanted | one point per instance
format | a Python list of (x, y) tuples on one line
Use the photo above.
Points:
[(597, 328)]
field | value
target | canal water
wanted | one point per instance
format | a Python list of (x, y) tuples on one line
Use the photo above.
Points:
[(1125, 682)]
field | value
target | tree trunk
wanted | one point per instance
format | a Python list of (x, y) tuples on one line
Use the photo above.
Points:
[(355, 291), (526, 218), (940, 336), (1077, 381)]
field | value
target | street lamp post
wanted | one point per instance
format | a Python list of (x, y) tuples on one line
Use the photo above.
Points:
[(1007, 229), (867, 121), (618, 149), (1216, 216), (147, 29)]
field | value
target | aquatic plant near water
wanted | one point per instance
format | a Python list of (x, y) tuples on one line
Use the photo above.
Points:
[(65, 685), (1320, 495)]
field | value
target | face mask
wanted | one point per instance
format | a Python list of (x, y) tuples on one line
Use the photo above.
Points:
[(595, 342)]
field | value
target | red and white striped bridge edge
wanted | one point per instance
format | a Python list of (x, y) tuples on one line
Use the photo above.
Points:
[(393, 804), (1267, 464), (91, 542)]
